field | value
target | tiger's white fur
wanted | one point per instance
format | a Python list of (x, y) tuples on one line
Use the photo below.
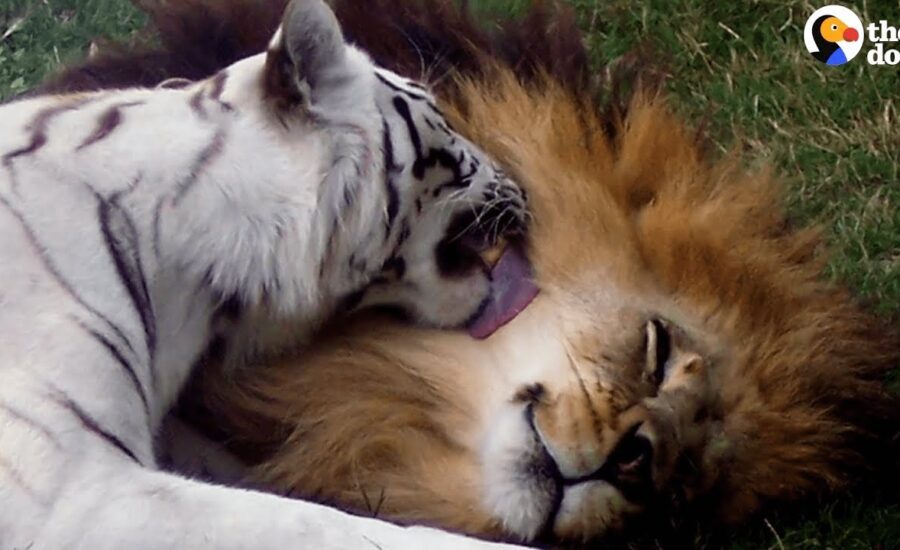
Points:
[(131, 224)]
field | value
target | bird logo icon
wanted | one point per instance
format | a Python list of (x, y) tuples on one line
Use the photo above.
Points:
[(833, 35)]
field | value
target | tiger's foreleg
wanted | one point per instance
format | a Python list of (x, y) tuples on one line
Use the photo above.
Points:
[(136, 508)]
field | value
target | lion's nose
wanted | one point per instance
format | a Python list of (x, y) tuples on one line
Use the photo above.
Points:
[(574, 440), (582, 455)]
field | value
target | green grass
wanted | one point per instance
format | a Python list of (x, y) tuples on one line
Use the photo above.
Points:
[(39, 35), (833, 133)]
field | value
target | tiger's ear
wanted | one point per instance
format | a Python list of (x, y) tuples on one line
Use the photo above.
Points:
[(307, 55)]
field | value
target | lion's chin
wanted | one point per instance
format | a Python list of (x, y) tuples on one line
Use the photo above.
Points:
[(591, 509)]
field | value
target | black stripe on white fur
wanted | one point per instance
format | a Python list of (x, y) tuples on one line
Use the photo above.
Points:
[(123, 243), (92, 425), (35, 426), (116, 354), (54, 272)]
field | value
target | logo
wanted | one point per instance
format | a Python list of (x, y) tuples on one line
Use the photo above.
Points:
[(834, 35)]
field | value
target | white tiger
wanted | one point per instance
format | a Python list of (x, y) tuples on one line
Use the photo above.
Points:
[(138, 227)]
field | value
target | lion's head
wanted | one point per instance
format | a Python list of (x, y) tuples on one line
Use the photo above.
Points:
[(685, 352)]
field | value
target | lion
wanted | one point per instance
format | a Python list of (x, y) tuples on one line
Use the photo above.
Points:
[(684, 349), (685, 356)]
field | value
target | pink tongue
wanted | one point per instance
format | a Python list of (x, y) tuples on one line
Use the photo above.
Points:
[(512, 289)]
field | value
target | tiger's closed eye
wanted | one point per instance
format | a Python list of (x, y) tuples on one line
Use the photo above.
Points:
[(658, 348)]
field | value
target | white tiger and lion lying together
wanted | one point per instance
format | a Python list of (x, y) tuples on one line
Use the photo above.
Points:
[(685, 356)]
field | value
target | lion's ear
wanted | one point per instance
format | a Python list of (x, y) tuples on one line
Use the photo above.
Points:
[(307, 55)]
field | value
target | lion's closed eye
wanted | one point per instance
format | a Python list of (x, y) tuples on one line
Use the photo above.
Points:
[(658, 348)]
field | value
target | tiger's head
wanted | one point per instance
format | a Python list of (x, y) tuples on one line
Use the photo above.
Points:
[(685, 353), (406, 205)]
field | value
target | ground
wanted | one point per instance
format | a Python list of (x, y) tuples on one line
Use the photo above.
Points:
[(832, 133)]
